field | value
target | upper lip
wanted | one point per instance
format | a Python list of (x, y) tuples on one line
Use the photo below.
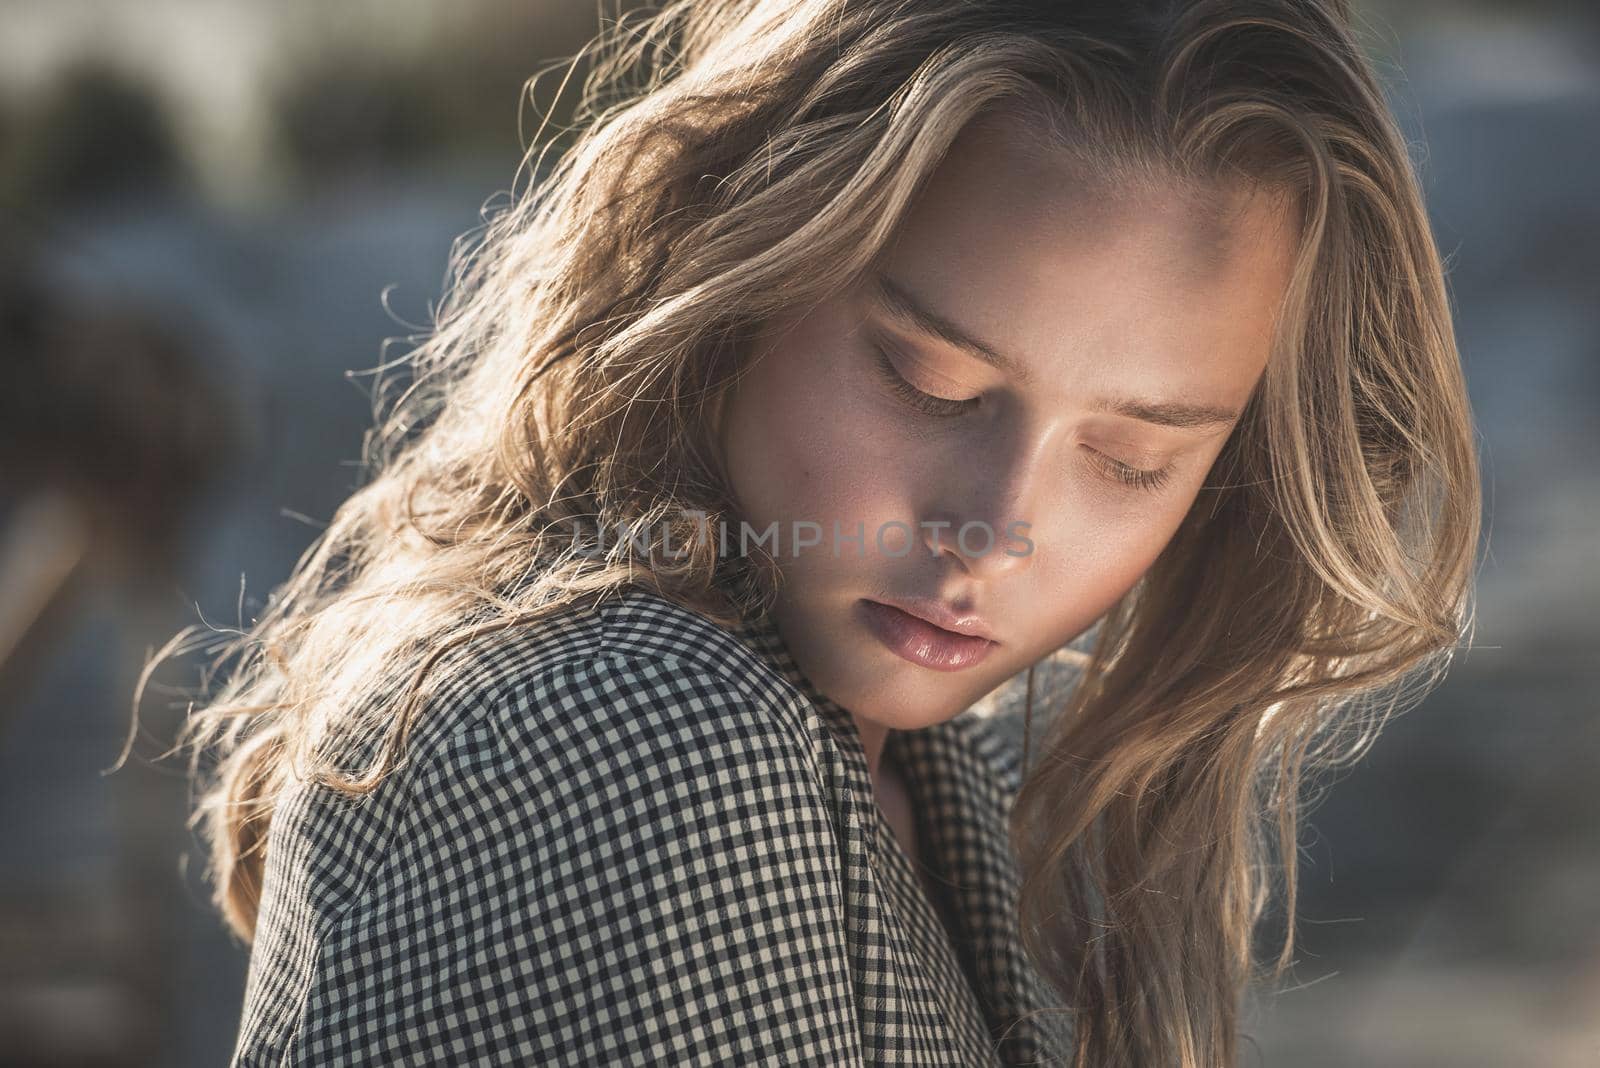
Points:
[(940, 614)]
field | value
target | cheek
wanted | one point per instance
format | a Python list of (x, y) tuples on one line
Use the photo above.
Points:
[(1093, 559), (801, 438)]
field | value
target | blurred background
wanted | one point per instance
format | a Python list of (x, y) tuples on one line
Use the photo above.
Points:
[(214, 212)]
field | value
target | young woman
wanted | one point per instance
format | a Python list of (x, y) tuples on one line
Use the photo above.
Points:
[(855, 359)]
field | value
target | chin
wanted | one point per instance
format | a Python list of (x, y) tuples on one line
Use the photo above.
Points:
[(910, 719), (914, 710)]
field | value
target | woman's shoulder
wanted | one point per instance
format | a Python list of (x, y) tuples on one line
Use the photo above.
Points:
[(633, 705), (637, 688), (621, 777), (638, 663)]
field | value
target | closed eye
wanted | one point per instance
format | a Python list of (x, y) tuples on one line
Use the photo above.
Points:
[(926, 403), (1134, 477), (945, 407)]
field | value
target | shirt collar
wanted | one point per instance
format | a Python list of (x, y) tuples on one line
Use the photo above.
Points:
[(963, 787)]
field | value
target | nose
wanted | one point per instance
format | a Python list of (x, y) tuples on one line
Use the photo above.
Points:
[(982, 521), (983, 548)]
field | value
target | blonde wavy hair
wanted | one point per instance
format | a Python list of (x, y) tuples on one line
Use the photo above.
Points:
[(734, 159)]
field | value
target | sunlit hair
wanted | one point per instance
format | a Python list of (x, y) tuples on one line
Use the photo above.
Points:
[(738, 160)]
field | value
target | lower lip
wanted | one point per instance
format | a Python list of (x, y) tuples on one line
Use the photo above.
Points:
[(921, 642)]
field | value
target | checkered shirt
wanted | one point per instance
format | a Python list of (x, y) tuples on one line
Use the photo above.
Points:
[(631, 836)]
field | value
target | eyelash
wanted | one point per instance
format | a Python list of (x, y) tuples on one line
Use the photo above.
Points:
[(928, 404), (1136, 477)]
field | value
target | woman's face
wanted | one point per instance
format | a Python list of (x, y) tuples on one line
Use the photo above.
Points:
[(1045, 373)]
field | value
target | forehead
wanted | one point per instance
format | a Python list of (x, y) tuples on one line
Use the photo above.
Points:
[(1095, 288)]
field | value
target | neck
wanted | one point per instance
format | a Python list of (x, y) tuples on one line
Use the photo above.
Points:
[(873, 736)]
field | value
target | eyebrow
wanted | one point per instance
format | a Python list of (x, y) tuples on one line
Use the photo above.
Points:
[(898, 302)]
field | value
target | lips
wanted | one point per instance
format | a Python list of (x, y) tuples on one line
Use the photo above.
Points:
[(923, 642), (942, 615)]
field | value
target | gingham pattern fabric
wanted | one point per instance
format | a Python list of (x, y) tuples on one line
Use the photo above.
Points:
[(631, 836)]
